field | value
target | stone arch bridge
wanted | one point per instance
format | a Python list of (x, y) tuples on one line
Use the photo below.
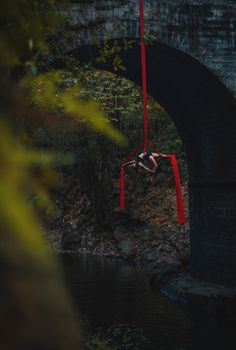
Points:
[(191, 71)]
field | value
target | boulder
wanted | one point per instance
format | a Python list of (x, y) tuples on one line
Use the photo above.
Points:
[(127, 248)]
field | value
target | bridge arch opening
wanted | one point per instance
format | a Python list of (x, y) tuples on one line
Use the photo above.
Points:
[(204, 112)]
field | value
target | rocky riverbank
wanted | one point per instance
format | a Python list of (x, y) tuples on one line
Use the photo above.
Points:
[(146, 232)]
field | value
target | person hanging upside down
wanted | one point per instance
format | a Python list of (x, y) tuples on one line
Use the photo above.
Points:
[(139, 160)]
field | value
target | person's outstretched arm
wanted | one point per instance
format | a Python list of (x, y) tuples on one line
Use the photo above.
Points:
[(141, 165), (129, 162)]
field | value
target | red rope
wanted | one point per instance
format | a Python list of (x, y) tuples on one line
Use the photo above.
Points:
[(122, 187), (144, 76), (145, 142)]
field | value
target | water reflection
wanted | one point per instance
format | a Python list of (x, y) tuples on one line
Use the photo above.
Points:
[(121, 306)]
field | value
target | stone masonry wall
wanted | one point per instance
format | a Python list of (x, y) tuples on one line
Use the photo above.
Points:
[(204, 29)]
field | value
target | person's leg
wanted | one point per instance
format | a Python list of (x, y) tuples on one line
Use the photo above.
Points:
[(155, 155), (153, 161)]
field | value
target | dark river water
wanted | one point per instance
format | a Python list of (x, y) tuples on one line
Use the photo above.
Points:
[(121, 307)]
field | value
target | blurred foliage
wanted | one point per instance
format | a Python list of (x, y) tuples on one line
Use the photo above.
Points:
[(24, 25), (35, 308), (47, 93), (28, 29), (17, 182)]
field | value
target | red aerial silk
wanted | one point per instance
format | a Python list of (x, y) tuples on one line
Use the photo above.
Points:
[(145, 142), (122, 187), (144, 76), (179, 196)]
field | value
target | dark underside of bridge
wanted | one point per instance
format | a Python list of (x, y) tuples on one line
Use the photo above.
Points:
[(204, 113)]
